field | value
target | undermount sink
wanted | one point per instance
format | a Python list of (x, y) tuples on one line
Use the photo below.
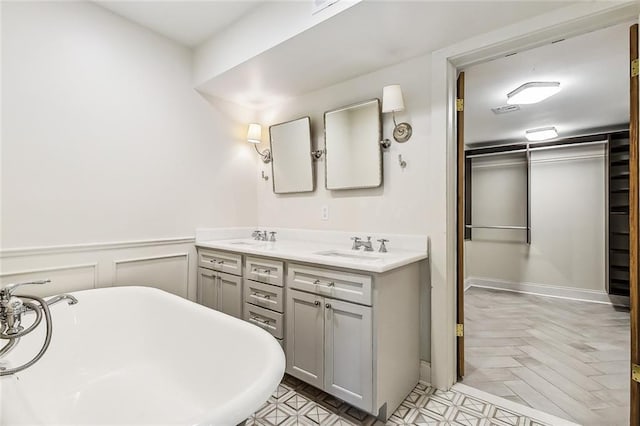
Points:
[(355, 255), (247, 243)]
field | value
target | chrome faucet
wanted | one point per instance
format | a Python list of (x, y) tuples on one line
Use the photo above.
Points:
[(55, 299), (259, 235), (12, 307), (357, 243)]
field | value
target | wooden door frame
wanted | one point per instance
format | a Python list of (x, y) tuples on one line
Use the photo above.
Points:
[(634, 397), (565, 22), (460, 225)]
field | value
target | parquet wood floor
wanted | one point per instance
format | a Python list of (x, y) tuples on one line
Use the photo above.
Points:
[(567, 358)]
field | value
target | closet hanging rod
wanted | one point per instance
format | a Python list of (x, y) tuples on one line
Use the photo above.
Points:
[(515, 151), (523, 228), (541, 148)]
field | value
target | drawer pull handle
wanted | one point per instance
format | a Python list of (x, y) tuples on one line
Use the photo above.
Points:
[(328, 284), (317, 303), (262, 297), (258, 271), (212, 261), (220, 262), (260, 321)]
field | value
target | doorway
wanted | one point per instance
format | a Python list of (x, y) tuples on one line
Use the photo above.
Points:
[(545, 320)]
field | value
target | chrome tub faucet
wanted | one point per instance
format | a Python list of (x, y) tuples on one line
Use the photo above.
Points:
[(12, 307)]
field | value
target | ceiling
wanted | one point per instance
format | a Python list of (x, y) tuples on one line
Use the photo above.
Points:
[(187, 22), (593, 73), (366, 37)]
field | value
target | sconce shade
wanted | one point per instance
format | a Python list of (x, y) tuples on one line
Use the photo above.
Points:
[(392, 100), (254, 134)]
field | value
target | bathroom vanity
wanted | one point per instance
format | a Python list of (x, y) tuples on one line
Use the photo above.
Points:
[(348, 319)]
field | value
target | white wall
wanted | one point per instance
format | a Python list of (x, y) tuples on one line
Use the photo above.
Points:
[(104, 139), (568, 219), (401, 205)]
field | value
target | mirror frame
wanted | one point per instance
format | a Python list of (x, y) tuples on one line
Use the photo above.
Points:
[(380, 169), (313, 169)]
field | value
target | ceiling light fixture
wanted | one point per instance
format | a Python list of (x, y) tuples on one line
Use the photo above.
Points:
[(254, 136), (533, 92), (541, 134)]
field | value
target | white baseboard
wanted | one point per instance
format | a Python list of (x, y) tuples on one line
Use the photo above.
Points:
[(425, 371), (570, 293)]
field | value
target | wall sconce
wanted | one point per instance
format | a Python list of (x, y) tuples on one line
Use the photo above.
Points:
[(392, 101), (254, 136)]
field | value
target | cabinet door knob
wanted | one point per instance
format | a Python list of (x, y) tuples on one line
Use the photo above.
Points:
[(328, 306), (316, 282), (317, 303)]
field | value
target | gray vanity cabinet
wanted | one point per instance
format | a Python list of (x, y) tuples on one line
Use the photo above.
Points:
[(329, 345), (220, 291), (354, 335), (230, 294), (220, 281), (348, 363), (305, 337), (208, 288)]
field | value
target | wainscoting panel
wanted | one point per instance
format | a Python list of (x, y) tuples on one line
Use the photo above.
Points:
[(168, 264), (64, 279), (167, 272)]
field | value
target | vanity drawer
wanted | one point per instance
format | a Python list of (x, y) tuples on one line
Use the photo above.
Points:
[(264, 270), (269, 320), (222, 261), (339, 285), (264, 295)]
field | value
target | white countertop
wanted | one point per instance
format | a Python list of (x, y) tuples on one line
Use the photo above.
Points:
[(310, 252)]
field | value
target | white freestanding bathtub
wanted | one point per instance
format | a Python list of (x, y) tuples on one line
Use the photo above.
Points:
[(141, 356)]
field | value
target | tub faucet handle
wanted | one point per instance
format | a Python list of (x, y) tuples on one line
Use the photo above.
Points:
[(272, 237), (7, 290), (383, 247)]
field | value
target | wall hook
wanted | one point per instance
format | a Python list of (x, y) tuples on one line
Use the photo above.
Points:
[(403, 163), (317, 154), (265, 177)]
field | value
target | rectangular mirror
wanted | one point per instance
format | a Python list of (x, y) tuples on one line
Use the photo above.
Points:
[(292, 166), (353, 157)]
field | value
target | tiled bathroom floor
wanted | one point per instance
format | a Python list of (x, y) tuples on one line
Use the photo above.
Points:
[(564, 357), (296, 403)]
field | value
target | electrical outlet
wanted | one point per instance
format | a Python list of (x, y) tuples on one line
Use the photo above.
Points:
[(324, 213)]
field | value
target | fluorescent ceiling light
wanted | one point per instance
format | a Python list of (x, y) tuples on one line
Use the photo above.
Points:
[(533, 92), (541, 134)]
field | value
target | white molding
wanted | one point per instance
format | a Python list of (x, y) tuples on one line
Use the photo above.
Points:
[(94, 266), (560, 292), (70, 248), (425, 371), (115, 264)]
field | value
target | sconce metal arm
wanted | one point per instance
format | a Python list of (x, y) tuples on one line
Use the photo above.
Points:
[(265, 155)]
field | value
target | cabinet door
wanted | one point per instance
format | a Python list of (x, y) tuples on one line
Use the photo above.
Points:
[(230, 294), (348, 358), (305, 341), (208, 288)]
